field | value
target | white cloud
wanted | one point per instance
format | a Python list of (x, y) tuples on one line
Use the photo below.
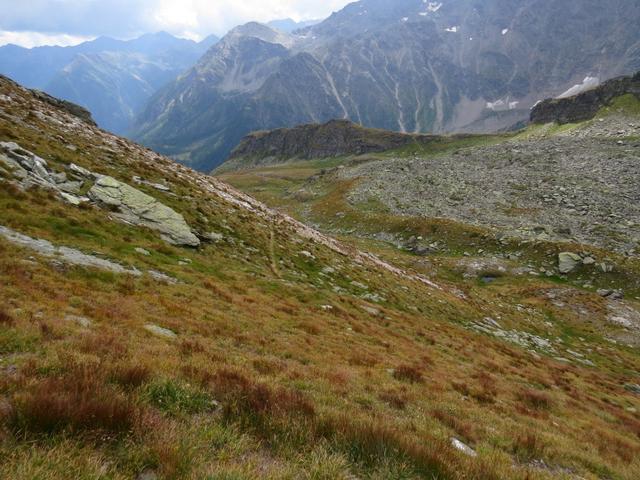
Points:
[(35, 39), (61, 19)]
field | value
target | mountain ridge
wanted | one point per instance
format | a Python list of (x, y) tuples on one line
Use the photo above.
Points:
[(112, 78), (332, 139), (409, 66)]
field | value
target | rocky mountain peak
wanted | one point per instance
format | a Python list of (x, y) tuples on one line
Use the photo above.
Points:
[(585, 105)]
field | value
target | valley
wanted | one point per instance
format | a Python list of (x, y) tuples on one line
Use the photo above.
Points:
[(401, 242), (249, 345)]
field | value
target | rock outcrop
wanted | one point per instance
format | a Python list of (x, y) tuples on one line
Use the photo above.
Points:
[(568, 262), (69, 107), (132, 205), (138, 208), (75, 110), (67, 255), (31, 170), (586, 105), (331, 139)]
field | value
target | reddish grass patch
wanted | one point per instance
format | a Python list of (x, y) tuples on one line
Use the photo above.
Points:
[(79, 400), (6, 319), (536, 399), (395, 399), (466, 430), (268, 367), (131, 376), (241, 394), (408, 373), (189, 347), (529, 446)]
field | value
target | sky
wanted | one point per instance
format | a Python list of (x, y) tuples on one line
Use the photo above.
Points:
[(67, 22)]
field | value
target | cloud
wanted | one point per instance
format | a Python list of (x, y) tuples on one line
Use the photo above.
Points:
[(36, 39), (130, 18)]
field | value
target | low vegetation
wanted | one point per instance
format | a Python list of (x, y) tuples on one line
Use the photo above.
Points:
[(319, 368)]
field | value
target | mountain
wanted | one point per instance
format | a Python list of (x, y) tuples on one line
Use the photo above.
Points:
[(112, 78), (409, 65), (288, 25), (585, 105), (571, 175), (335, 138), (156, 322)]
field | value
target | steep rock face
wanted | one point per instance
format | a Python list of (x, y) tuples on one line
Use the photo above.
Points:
[(334, 138), (409, 66), (587, 104)]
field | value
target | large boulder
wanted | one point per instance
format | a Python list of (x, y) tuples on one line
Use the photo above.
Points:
[(138, 208), (568, 262)]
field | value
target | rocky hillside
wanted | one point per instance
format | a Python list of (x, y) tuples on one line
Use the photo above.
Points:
[(409, 66), (157, 323), (586, 105), (305, 142), (112, 78)]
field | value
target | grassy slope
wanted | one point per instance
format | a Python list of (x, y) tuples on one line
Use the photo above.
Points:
[(360, 390)]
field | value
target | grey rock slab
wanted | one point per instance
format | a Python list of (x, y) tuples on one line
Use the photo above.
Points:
[(30, 170), (160, 332), (82, 321), (214, 237), (162, 277), (633, 388), (138, 208), (464, 448), (65, 254), (568, 262)]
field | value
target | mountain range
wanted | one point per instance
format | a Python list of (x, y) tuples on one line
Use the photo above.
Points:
[(112, 78), (409, 65)]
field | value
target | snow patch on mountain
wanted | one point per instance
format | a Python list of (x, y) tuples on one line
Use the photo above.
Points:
[(587, 84), (502, 105)]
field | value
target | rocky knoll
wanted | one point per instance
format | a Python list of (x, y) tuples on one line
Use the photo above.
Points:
[(69, 107), (334, 138), (585, 106)]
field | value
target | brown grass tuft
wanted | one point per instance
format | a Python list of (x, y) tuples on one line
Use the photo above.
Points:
[(130, 376), (394, 398), (6, 319), (241, 394), (529, 446), (408, 373), (536, 399), (79, 400), (189, 347), (466, 430)]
